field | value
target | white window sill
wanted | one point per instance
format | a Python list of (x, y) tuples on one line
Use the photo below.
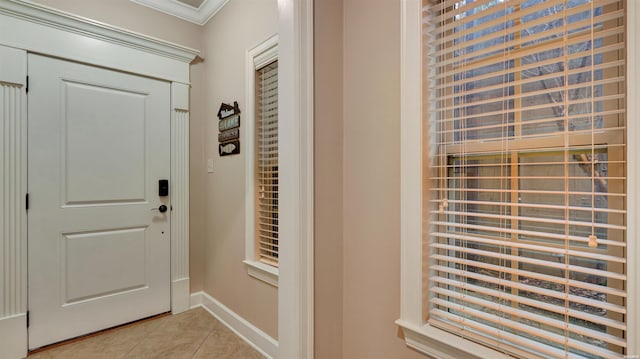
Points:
[(443, 345), (263, 272)]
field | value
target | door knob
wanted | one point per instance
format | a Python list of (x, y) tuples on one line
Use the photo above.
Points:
[(162, 208)]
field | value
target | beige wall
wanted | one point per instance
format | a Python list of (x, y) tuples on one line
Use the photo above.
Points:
[(369, 290), (238, 27), (328, 179), (134, 17)]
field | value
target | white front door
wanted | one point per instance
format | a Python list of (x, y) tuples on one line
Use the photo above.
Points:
[(99, 248)]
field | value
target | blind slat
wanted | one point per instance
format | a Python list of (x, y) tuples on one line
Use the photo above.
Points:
[(535, 220), (543, 263), (514, 244), (535, 275), (534, 317), (507, 284), (539, 206), (480, 64), (534, 303), (530, 94), (532, 332)]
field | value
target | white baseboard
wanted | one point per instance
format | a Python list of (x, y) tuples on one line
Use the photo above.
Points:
[(258, 339), (13, 336), (180, 295)]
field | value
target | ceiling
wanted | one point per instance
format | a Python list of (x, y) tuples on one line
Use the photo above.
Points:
[(195, 11)]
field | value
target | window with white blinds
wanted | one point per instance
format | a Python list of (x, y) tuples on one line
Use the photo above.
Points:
[(266, 171), (524, 103)]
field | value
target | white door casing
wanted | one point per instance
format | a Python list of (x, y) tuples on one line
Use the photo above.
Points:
[(29, 27), (295, 146), (98, 245), (13, 214)]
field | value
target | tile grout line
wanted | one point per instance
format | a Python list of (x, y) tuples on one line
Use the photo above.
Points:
[(203, 341), (161, 325)]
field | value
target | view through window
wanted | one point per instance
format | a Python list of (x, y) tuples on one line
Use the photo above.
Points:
[(525, 108)]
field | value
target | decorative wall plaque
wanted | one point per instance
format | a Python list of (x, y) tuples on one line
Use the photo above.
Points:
[(228, 135), (229, 129), (229, 123), (229, 148), (227, 110)]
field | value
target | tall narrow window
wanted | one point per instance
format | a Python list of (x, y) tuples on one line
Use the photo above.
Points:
[(526, 206), (267, 163), (262, 212)]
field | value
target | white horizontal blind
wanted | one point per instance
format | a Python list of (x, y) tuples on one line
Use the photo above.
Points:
[(525, 103), (267, 163)]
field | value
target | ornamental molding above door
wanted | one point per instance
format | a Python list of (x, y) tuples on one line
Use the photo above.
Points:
[(42, 29)]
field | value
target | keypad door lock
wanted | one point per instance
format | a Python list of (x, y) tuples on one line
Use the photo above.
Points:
[(163, 188)]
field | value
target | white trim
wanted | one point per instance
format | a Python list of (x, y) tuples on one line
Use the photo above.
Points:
[(411, 163), (13, 336), (13, 66), (49, 16), (180, 294), (199, 16), (255, 58), (263, 54), (179, 192), (263, 272), (44, 30), (13, 214), (441, 344), (295, 295), (633, 176), (255, 337)]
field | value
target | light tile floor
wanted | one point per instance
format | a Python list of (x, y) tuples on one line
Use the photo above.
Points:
[(192, 334)]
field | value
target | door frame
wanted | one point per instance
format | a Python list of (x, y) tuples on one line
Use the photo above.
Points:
[(27, 27), (295, 121)]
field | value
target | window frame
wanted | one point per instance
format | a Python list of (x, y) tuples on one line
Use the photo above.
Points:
[(429, 339), (259, 56)]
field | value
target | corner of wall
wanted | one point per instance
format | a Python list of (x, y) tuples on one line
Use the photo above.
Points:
[(251, 334), (197, 176), (329, 175)]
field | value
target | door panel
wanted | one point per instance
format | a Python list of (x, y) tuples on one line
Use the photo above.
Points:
[(98, 251), (95, 115), (91, 255)]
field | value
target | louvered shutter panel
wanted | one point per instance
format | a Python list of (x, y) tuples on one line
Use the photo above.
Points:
[(525, 116)]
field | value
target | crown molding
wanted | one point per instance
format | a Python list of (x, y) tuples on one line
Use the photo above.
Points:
[(50, 17), (44, 30), (199, 16)]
